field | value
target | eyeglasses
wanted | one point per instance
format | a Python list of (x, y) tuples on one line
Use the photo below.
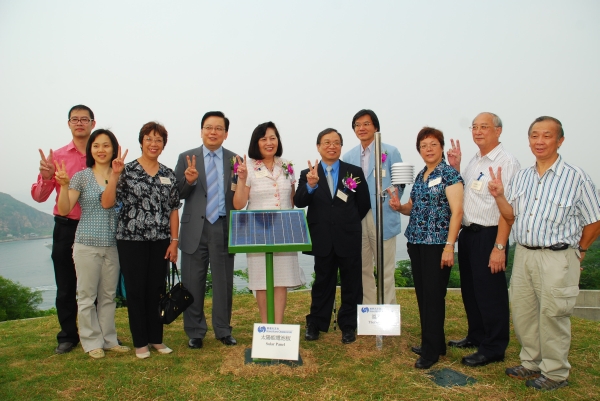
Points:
[(429, 145), (335, 144), (77, 120), (366, 125), (475, 128), (210, 128), (149, 140)]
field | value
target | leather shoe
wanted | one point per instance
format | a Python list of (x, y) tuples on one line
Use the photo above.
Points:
[(463, 343), (348, 336), (312, 332), (423, 363), (417, 350), (63, 348), (195, 343), (478, 359), (228, 340)]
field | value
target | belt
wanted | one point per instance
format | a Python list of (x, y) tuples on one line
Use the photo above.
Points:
[(555, 247), (65, 220), (476, 227)]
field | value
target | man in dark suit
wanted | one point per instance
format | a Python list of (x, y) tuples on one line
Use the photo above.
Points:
[(337, 198), (203, 234)]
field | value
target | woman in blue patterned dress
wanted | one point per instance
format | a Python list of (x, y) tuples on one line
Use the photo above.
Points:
[(435, 209), (95, 248)]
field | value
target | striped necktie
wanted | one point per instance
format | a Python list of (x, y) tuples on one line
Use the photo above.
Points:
[(212, 191)]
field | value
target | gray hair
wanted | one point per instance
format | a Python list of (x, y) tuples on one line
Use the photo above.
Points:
[(495, 119), (561, 131)]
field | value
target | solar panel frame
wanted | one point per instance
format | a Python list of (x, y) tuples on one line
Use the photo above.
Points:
[(260, 231)]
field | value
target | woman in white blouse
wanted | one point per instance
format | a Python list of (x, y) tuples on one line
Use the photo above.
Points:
[(266, 182)]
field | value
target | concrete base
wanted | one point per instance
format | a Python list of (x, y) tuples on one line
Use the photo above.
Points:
[(588, 305)]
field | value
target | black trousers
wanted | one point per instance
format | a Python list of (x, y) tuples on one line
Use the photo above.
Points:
[(431, 282), (63, 238), (485, 295), (323, 291), (144, 268)]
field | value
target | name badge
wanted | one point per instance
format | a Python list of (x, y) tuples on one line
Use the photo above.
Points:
[(342, 195), (382, 173), (435, 182), (477, 185), (165, 181), (261, 172)]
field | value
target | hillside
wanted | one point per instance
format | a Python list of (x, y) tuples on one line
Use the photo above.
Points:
[(19, 220)]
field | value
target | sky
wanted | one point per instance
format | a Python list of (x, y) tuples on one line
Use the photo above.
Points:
[(305, 65)]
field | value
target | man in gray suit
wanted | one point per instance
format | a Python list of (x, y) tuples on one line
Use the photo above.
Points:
[(203, 240)]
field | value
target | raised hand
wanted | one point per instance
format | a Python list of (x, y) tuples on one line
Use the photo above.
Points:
[(312, 177), (61, 175), (495, 186), (191, 174), (119, 163), (394, 199), (455, 155), (47, 168), (242, 170)]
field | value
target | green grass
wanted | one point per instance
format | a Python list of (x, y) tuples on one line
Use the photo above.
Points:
[(331, 370)]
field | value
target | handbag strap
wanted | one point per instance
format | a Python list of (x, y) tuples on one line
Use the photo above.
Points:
[(174, 272)]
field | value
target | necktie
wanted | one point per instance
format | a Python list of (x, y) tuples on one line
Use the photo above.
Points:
[(330, 179), (365, 160), (212, 192)]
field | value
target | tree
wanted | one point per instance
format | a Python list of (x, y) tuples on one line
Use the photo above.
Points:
[(19, 302)]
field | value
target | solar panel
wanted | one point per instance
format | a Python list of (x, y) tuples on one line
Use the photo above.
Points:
[(268, 231)]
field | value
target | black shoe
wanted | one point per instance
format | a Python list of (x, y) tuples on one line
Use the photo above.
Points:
[(63, 348), (417, 350), (478, 359), (312, 332), (119, 341), (195, 343), (228, 340), (423, 363), (464, 343), (348, 336)]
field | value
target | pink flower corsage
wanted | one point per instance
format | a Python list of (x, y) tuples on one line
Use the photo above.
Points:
[(234, 168), (288, 169), (384, 156), (350, 182)]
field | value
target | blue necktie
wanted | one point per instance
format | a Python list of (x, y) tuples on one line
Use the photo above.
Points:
[(212, 191), (330, 179)]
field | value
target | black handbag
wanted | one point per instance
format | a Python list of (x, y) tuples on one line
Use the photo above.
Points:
[(174, 301)]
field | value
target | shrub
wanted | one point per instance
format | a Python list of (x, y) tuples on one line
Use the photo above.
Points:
[(19, 302)]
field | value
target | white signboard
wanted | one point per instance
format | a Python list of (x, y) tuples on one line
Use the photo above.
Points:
[(276, 341), (378, 320)]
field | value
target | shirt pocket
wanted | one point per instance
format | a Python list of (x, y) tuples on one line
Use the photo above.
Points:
[(517, 201), (558, 209)]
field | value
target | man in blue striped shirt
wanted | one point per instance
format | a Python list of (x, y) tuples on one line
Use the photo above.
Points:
[(556, 214)]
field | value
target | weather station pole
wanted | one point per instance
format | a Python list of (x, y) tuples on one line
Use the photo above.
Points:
[(379, 196), (270, 288)]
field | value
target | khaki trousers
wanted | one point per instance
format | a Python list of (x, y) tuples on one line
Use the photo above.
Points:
[(97, 276), (543, 291), (369, 257)]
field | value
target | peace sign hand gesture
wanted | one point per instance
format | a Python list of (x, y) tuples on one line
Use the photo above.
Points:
[(61, 175), (119, 163), (495, 186), (191, 174), (47, 167), (455, 155), (312, 177), (242, 170)]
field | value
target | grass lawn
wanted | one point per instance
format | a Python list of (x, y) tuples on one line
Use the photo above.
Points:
[(331, 370)]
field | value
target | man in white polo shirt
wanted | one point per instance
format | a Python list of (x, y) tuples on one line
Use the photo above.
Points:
[(556, 214)]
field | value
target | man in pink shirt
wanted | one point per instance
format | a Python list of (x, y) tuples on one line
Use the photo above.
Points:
[(81, 123)]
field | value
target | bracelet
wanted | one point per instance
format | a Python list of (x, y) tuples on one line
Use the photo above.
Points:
[(174, 239), (446, 250), (450, 243), (582, 250)]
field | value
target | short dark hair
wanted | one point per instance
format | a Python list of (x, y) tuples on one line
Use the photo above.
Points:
[(89, 159), (561, 132), (427, 132), (215, 114), (82, 107), (260, 132), (156, 127), (329, 131), (365, 112)]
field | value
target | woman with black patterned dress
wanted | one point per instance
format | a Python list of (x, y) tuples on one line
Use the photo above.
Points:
[(435, 209), (145, 193)]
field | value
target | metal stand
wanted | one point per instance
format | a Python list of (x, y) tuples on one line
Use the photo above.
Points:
[(270, 288), (379, 228)]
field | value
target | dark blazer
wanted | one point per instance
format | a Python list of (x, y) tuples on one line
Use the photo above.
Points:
[(194, 209), (333, 223)]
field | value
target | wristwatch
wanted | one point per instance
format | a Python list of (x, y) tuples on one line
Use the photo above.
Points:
[(499, 246)]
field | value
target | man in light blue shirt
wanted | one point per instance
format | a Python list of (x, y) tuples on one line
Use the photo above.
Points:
[(365, 123)]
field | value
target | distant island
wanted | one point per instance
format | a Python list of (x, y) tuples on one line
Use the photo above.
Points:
[(20, 221)]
